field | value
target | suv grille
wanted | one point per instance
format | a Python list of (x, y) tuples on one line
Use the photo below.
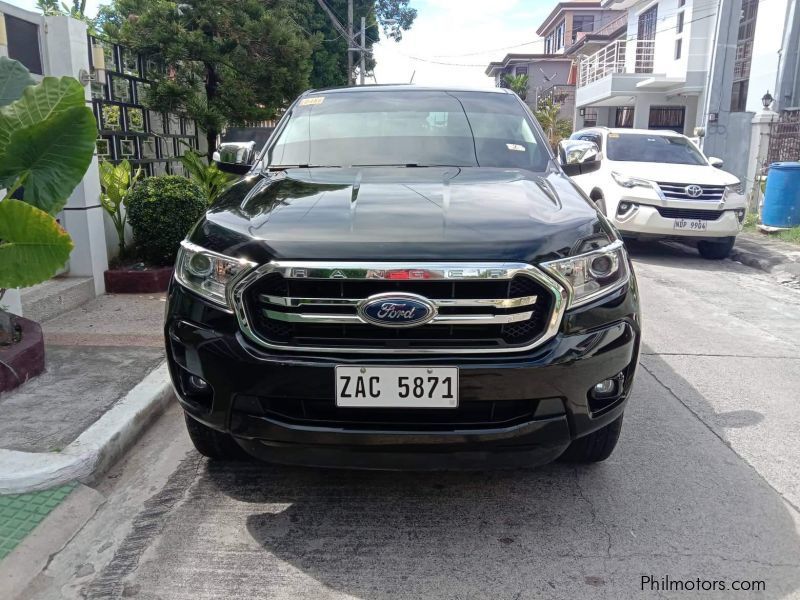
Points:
[(689, 213), (677, 191), (507, 313)]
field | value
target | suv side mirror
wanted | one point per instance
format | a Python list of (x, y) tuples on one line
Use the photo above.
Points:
[(235, 157), (715, 162), (578, 156)]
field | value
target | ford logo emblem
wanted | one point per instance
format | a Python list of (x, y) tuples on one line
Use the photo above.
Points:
[(396, 310)]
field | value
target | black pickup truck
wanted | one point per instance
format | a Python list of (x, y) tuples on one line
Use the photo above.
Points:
[(406, 279)]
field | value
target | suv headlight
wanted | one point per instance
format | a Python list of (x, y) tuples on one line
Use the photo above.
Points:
[(208, 273), (735, 188), (630, 182), (592, 275)]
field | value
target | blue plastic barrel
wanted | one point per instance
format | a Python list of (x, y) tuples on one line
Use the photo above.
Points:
[(782, 196)]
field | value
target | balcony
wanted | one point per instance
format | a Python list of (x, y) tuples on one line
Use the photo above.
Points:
[(613, 59), (563, 96)]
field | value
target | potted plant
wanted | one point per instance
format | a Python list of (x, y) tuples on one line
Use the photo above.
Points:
[(47, 137), (161, 210)]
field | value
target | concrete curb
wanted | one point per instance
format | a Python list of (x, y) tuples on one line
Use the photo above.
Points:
[(97, 448)]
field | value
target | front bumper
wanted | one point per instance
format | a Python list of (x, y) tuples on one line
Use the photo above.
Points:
[(260, 396), (644, 220)]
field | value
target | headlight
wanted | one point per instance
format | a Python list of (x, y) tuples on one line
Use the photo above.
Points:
[(735, 188), (208, 273), (630, 182), (592, 275)]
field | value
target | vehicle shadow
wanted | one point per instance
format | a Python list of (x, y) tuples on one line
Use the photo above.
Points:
[(672, 501), (679, 256)]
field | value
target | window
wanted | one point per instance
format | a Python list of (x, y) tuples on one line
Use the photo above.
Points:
[(624, 117), (582, 23), (646, 39), (744, 55), (559, 35), (521, 71), (638, 147), (548, 44), (679, 27), (678, 44), (23, 43), (421, 127), (667, 117), (590, 118)]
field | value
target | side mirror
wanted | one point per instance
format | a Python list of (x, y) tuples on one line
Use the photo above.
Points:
[(235, 157), (715, 162), (578, 156)]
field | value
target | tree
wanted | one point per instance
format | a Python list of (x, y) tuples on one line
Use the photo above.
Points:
[(329, 58), (518, 84), (556, 129), (224, 62)]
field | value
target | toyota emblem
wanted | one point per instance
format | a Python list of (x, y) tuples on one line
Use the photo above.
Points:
[(694, 190)]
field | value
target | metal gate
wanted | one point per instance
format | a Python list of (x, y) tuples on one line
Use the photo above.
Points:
[(784, 137)]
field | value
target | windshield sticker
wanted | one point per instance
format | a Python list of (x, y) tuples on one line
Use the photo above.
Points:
[(516, 147), (313, 101), (613, 135)]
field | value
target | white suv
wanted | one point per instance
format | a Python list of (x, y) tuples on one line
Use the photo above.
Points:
[(657, 184)]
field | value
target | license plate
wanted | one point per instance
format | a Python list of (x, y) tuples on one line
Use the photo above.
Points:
[(692, 224), (397, 387)]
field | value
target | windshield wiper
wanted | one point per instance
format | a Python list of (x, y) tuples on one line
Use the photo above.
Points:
[(285, 167), (410, 165)]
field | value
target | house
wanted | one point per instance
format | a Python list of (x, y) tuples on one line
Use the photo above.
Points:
[(547, 73), (570, 21)]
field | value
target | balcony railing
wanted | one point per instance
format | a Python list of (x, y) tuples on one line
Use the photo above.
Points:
[(562, 95), (611, 59), (605, 61)]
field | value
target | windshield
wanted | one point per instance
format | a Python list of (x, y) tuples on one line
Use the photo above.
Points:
[(409, 128), (640, 147)]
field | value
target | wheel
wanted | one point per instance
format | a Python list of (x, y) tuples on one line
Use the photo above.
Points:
[(716, 250), (595, 447), (212, 443)]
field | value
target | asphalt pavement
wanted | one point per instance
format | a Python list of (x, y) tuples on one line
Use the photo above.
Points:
[(704, 487)]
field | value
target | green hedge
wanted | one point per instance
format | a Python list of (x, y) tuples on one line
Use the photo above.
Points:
[(161, 211)]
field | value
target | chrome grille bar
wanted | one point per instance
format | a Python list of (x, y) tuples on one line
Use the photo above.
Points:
[(494, 303), (677, 191), (438, 320)]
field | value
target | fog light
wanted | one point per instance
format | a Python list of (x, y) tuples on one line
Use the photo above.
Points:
[(605, 388), (740, 212), (200, 385), (624, 208)]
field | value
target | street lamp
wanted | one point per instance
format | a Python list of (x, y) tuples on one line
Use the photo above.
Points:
[(766, 100)]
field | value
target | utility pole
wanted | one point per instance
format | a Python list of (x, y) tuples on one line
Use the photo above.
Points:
[(363, 66), (349, 42)]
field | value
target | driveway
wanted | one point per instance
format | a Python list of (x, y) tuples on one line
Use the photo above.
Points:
[(704, 489)]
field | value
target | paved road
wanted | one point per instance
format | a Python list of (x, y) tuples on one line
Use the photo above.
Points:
[(705, 484)]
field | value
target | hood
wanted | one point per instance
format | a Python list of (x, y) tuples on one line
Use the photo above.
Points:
[(435, 214), (674, 173)]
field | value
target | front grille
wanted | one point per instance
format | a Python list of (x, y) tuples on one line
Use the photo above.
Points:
[(325, 413), (473, 314), (677, 191), (689, 213)]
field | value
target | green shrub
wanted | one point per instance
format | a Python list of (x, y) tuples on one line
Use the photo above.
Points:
[(161, 211)]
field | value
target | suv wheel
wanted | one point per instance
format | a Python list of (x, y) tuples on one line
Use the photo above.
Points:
[(212, 443), (716, 250), (595, 447)]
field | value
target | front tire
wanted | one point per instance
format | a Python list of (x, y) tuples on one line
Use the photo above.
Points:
[(716, 250), (212, 443), (595, 447)]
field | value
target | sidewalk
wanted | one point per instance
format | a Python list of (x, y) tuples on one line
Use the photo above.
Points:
[(765, 253), (104, 382)]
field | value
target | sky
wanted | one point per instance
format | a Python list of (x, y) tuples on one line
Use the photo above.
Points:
[(451, 41)]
